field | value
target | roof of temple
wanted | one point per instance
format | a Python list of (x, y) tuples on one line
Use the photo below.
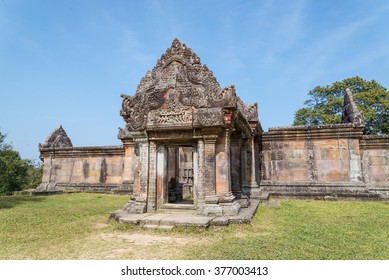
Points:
[(57, 139), (179, 81)]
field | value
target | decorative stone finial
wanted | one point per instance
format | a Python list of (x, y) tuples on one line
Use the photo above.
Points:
[(351, 113)]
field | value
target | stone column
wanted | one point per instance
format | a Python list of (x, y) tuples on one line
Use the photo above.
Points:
[(152, 182), (161, 176), (223, 172), (140, 162), (255, 169), (211, 206), (253, 146), (223, 176), (250, 167), (245, 167), (195, 175), (236, 168), (199, 179), (128, 168)]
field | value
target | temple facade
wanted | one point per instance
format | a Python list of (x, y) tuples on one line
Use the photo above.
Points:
[(183, 132), (189, 143)]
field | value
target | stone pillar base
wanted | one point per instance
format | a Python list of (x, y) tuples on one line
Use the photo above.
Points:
[(252, 191), (224, 205), (237, 194), (231, 208), (244, 201), (137, 205), (212, 209), (211, 206), (229, 204), (222, 209)]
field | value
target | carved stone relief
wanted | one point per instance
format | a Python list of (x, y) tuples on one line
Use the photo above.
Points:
[(211, 116), (177, 84)]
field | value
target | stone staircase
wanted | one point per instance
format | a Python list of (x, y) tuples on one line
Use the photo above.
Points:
[(177, 208), (171, 216)]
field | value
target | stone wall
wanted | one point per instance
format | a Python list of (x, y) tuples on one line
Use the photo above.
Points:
[(97, 169), (376, 163), (314, 161)]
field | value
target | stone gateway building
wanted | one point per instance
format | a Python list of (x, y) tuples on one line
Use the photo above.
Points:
[(188, 143)]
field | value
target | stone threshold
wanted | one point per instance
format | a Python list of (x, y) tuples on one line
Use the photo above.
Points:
[(184, 218)]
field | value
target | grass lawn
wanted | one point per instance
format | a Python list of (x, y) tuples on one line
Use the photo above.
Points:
[(76, 226)]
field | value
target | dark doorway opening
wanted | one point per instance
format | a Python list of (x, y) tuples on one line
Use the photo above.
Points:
[(180, 175)]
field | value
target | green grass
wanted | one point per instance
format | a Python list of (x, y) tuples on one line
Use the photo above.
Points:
[(76, 226), (40, 227), (308, 230)]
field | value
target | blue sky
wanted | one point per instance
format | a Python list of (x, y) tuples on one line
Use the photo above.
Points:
[(67, 62)]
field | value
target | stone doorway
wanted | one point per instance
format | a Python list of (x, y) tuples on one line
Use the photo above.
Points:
[(185, 136), (180, 175)]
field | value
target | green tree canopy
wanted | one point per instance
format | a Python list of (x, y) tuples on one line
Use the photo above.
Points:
[(16, 173), (325, 104)]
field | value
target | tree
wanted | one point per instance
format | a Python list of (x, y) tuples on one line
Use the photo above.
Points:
[(3, 145), (325, 105), (16, 173)]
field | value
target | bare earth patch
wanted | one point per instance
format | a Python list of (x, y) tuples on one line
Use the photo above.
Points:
[(99, 226), (136, 245), (144, 239)]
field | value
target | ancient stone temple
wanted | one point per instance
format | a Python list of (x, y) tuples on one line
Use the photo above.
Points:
[(188, 143), (183, 132)]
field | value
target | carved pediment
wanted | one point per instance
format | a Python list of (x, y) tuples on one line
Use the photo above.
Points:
[(57, 139), (179, 72), (180, 92)]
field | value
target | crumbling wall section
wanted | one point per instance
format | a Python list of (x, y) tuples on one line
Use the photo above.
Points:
[(313, 160), (376, 163), (95, 169)]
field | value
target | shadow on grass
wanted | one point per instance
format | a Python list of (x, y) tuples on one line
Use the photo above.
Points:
[(7, 202)]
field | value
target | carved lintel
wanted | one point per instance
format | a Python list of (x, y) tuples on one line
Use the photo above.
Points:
[(170, 117), (172, 135)]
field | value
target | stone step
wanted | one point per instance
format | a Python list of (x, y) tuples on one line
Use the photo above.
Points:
[(158, 227), (151, 226), (177, 208), (155, 219), (177, 211), (166, 227)]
